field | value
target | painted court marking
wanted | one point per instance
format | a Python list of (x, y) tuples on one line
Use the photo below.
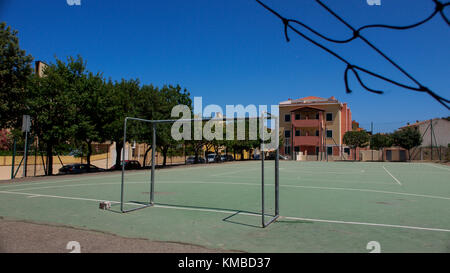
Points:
[(439, 167), (396, 180), (233, 172), (233, 212), (245, 184)]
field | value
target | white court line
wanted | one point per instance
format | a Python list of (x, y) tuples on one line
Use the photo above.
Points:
[(439, 167), (18, 184), (366, 224), (32, 196), (343, 181), (396, 180), (245, 184), (233, 212), (318, 188), (233, 172), (116, 175)]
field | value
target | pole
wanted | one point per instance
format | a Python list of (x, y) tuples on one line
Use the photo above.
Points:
[(35, 157), (431, 136), (371, 133), (277, 159), (107, 156), (326, 139), (292, 142), (262, 171), (152, 183), (13, 159), (437, 145), (25, 155), (123, 162)]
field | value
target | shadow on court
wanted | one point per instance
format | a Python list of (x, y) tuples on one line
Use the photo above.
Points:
[(241, 217)]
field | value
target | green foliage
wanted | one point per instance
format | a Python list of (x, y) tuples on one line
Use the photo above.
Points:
[(71, 107), (121, 103), (356, 139), (91, 112), (169, 97), (51, 101), (407, 138), (15, 68), (380, 141), (52, 104), (121, 100)]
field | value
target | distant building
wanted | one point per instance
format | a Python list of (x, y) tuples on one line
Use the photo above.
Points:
[(355, 126), (440, 128), (314, 126), (40, 67)]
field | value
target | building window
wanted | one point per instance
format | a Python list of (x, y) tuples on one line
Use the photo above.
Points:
[(329, 133), (329, 116), (329, 150), (297, 116), (317, 116), (287, 134), (297, 132), (347, 151), (287, 117), (317, 132)]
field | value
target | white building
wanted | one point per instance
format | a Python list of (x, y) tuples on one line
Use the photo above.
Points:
[(436, 132)]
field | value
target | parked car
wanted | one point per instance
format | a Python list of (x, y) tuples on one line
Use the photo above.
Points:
[(79, 168), (226, 158), (212, 158), (129, 165), (191, 160)]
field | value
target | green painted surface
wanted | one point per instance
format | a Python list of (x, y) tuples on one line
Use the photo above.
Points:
[(196, 205)]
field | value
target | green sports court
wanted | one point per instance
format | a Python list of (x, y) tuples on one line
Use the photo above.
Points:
[(324, 206)]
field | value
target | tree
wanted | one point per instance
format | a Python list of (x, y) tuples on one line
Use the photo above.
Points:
[(15, 68), (91, 111), (146, 107), (51, 104), (121, 100), (355, 139), (407, 138), (169, 97), (380, 141)]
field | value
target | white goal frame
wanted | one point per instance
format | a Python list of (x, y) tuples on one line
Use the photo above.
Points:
[(151, 202)]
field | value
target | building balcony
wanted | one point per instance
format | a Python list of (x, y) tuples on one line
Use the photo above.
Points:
[(307, 140), (306, 123)]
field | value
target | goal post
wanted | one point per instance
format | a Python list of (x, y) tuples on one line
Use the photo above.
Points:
[(153, 124)]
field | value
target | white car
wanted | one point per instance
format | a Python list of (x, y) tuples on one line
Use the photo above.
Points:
[(211, 158)]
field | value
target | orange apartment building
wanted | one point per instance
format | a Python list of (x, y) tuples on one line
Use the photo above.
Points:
[(314, 127)]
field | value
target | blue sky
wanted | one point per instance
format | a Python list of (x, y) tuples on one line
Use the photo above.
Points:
[(234, 51)]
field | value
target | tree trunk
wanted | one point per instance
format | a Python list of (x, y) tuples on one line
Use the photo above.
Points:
[(165, 149), (88, 156), (216, 150), (49, 159), (119, 146), (145, 155)]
